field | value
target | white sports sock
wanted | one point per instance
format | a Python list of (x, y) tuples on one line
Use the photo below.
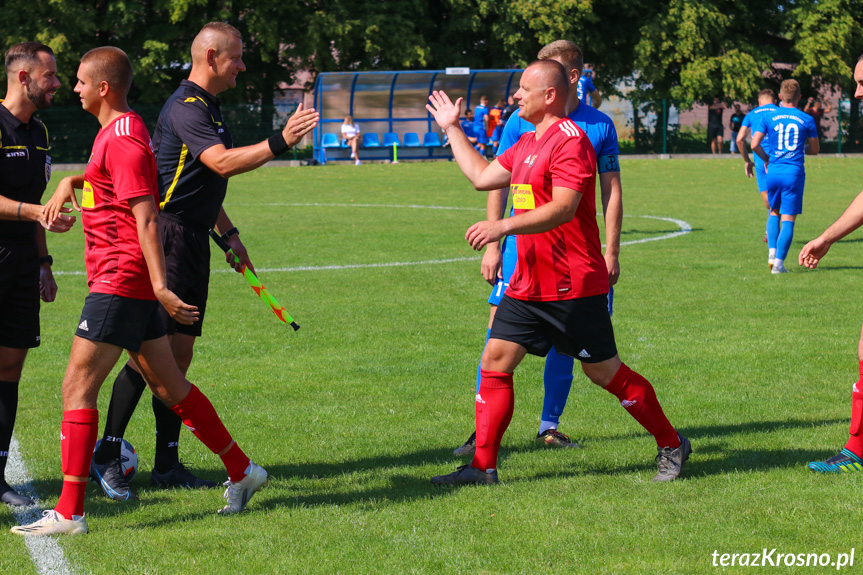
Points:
[(546, 425), (771, 253), (777, 263)]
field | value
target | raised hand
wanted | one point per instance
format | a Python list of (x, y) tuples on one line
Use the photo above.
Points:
[(300, 124), (445, 112)]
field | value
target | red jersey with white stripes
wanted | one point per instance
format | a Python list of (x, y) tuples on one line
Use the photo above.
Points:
[(565, 262), (122, 167)]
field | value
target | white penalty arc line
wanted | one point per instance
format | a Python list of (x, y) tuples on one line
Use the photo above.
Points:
[(685, 228), (45, 553)]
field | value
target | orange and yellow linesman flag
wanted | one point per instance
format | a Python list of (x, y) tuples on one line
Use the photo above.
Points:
[(256, 284)]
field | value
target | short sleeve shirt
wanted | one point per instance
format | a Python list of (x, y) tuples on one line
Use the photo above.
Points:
[(350, 130), (479, 113), (600, 131), (122, 167), (189, 124), (751, 121), (25, 169), (565, 262), (787, 129)]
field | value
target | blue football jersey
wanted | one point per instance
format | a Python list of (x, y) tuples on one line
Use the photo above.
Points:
[(787, 129), (479, 113), (751, 121), (585, 87)]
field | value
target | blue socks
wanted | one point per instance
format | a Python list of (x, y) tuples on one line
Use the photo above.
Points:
[(558, 381), (783, 243), (772, 231)]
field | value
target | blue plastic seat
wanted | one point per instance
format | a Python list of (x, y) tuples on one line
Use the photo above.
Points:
[(330, 141), (431, 140), (371, 141), (412, 140), (391, 139)]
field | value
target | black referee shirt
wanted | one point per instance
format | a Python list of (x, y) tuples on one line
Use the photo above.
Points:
[(190, 123), (25, 168)]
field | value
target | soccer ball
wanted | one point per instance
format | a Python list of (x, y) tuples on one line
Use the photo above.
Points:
[(128, 459)]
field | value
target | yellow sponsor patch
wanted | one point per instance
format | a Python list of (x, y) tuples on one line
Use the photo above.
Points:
[(190, 99), (522, 196), (87, 200)]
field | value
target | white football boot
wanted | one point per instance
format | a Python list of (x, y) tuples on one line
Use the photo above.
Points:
[(52, 523), (238, 494)]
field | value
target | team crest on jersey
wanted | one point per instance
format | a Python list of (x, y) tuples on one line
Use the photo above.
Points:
[(47, 168)]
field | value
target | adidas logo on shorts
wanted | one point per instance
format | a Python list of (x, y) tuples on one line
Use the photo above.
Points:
[(83, 326), (583, 353)]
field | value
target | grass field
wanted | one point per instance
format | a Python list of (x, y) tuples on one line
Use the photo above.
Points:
[(352, 414)]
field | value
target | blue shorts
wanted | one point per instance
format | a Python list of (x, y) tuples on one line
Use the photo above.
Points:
[(497, 133), (509, 256), (481, 136), (761, 177), (785, 191)]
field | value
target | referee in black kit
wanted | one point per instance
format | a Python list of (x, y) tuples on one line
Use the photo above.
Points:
[(195, 158), (25, 266)]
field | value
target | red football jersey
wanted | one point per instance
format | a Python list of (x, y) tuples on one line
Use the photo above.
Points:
[(566, 262), (122, 167)]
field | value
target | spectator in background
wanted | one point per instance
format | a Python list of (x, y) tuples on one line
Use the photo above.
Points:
[(467, 127), (351, 135), (587, 92), (714, 125), (734, 124), (814, 109), (495, 126), (480, 124), (511, 107)]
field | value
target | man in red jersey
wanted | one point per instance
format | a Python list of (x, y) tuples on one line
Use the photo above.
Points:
[(557, 295), (850, 458), (126, 276)]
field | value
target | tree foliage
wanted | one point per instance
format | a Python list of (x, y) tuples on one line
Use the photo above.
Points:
[(683, 50)]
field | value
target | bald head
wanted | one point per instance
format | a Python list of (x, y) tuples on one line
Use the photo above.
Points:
[(218, 36), (551, 74)]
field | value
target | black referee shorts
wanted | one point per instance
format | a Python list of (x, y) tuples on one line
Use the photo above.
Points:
[(120, 321), (187, 261), (19, 295), (580, 328)]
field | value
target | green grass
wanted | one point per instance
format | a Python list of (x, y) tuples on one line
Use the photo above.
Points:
[(352, 414)]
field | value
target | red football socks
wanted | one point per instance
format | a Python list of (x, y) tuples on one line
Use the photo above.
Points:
[(494, 405), (855, 441), (201, 418), (638, 397), (77, 440)]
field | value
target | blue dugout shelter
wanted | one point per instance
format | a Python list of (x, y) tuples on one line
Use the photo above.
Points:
[(391, 106)]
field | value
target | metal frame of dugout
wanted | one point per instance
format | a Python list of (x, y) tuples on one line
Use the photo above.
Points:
[(394, 102)]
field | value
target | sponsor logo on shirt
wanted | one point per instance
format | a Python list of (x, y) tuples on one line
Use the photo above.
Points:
[(522, 197)]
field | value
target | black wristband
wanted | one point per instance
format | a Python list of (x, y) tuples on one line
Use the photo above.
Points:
[(232, 232), (278, 145), (46, 260)]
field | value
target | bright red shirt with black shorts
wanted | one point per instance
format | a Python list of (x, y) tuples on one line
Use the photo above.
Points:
[(122, 167), (566, 262)]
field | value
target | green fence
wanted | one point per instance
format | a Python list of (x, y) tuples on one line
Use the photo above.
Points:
[(72, 129)]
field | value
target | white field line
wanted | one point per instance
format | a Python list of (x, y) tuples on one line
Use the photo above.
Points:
[(45, 552), (685, 228)]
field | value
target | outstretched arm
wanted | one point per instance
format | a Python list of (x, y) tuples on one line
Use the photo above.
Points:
[(481, 174), (850, 220), (235, 161)]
